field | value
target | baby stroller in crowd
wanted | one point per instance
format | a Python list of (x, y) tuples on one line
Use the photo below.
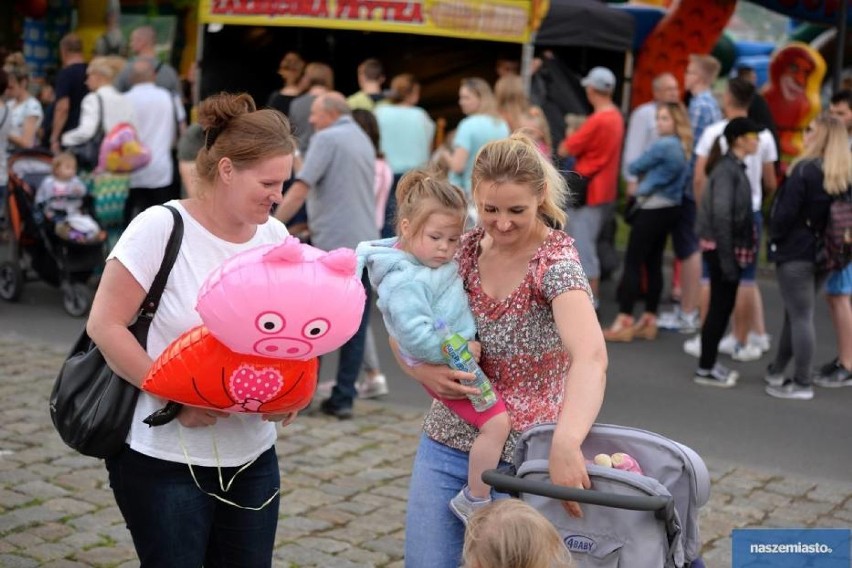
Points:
[(35, 251), (647, 520)]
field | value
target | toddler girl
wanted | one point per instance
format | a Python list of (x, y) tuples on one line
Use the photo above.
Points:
[(511, 534), (59, 199), (418, 283)]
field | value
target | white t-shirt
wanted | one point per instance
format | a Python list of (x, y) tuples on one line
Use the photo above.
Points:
[(5, 128), (22, 111), (766, 152), (156, 112), (239, 438)]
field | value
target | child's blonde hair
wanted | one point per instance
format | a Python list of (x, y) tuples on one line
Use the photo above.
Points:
[(63, 158), (420, 193), (517, 160), (509, 533), (534, 122)]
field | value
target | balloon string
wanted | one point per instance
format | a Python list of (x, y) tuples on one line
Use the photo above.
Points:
[(219, 471)]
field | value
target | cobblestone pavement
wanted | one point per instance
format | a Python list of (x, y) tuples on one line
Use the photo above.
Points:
[(344, 487)]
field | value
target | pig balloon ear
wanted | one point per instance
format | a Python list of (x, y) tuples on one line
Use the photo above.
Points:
[(290, 250), (341, 260)]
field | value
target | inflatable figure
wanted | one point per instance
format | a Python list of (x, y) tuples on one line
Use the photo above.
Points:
[(268, 313), (693, 26), (795, 75)]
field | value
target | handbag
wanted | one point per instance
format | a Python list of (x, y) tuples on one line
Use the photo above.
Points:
[(631, 209), (578, 186), (88, 152), (92, 407)]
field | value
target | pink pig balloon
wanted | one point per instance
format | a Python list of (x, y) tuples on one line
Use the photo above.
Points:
[(284, 301)]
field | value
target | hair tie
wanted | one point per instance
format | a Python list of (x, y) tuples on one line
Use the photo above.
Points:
[(211, 135)]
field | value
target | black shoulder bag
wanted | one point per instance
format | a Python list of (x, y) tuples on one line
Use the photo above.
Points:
[(88, 152), (92, 407)]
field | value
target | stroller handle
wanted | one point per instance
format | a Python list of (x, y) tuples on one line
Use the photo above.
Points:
[(511, 484)]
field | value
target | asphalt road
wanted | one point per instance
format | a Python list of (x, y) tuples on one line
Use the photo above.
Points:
[(649, 386)]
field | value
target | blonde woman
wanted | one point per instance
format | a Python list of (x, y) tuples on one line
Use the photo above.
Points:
[(664, 168), (512, 100), (512, 534), (800, 212), (542, 346), (482, 125), (103, 106), (25, 112)]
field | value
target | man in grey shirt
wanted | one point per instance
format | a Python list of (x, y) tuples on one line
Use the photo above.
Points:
[(336, 180)]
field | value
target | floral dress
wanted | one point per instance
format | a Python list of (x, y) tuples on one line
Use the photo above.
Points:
[(522, 352)]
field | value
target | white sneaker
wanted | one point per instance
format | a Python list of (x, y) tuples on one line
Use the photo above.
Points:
[(463, 507), (693, 346), (372, 387), (690, 323), (718, 376), (669, 320), (774, 379), (762, 342), (728, 344), (746, 353)]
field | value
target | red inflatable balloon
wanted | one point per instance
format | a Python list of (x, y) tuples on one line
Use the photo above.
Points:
[(198, 370)]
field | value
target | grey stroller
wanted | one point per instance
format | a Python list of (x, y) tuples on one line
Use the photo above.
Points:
[(647, 520)]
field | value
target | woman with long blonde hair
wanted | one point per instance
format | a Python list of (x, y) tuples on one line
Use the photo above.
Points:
[(482, 124), (664, 168), (800, 215)]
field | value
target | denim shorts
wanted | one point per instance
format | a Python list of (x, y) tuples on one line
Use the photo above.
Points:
[(684, 239), (839, 282)]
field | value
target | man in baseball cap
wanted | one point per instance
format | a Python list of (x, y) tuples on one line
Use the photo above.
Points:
[(597, 147), (600, 79)]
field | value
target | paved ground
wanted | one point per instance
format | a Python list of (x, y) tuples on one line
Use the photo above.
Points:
[(344, 486)]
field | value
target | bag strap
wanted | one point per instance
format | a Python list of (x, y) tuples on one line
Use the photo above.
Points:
[(5, 114), (152, 300), (100, 128)]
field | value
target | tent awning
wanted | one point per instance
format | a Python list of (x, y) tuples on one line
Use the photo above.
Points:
[(586, 23)]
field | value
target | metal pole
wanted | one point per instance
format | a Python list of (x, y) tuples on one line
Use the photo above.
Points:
[(527, 52), (840, 45)]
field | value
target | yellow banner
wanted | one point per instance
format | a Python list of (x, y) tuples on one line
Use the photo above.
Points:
[(502, 20)]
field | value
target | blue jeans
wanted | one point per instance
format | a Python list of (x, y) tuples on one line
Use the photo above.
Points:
[(351, 357), (434, 536), (175, 525)]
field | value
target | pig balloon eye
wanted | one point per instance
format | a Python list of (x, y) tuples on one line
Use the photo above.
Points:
[(270, 322), (316, 328)]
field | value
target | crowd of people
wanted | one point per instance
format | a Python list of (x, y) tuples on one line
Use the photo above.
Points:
[(485, 229)]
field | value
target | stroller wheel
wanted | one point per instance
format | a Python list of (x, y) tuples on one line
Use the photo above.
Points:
[(76, 298), (11, 281)]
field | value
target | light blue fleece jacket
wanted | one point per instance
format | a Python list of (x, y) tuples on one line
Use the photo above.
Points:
[(413, 296)]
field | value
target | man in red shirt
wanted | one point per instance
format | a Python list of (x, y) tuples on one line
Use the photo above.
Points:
[(597, 147)]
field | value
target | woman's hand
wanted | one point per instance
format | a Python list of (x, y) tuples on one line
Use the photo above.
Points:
[(438, 379), (284, 418), (475, 349), (194, 417), (568, 468)]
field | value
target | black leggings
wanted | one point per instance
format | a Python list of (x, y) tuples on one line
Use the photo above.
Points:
[(723, 296), (645, 248)]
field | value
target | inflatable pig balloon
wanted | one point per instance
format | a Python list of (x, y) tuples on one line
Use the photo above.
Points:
[(286, 301), (268, 313)]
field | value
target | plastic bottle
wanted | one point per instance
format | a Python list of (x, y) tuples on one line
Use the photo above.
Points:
[(458, 356)]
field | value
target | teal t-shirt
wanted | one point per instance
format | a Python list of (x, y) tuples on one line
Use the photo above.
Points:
[(473, 133)]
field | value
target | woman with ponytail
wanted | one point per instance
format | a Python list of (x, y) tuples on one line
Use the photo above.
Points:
[(541, 343), (167, 480)]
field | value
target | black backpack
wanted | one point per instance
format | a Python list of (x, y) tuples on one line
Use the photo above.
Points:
[(834, 246)]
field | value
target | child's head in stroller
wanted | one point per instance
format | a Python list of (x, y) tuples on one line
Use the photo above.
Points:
[(511, 533)]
